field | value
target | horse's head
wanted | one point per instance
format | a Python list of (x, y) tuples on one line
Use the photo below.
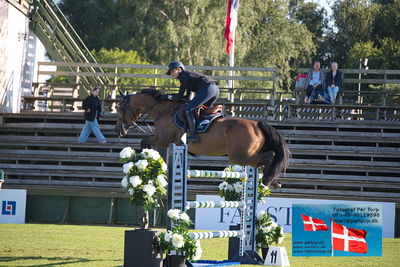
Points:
[(132, 107)]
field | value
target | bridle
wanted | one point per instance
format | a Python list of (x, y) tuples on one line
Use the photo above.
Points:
[(133, 124)]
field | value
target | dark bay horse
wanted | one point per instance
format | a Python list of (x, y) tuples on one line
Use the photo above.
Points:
[(245, 142)]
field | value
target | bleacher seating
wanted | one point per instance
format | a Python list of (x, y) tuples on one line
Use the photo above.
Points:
[(331, 159)]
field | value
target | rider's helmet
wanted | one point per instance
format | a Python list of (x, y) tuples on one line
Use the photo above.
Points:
[(173, 65)]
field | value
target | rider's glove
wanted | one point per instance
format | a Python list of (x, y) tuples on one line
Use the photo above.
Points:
[(166, 97)]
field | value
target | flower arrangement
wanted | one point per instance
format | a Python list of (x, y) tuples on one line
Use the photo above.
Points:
[(145, 178), (178, 238), (231, 189), (268, 231)]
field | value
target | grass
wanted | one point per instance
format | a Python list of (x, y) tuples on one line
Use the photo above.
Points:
[(77, 245)]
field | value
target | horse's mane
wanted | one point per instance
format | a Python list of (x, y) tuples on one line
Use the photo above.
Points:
[(153, 92)]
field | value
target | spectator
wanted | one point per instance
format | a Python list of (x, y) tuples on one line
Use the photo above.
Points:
[(334, 82), (92, 107), (314, 83)]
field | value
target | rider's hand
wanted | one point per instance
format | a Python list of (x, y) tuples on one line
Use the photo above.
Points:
[(166, 97)]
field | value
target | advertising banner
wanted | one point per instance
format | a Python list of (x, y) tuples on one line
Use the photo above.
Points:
[(280, 210), (337, 230), (12, 205)]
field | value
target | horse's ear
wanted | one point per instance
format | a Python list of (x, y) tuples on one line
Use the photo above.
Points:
[(122, 94)]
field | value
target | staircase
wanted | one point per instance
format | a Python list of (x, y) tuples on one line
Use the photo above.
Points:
[(62, 42)]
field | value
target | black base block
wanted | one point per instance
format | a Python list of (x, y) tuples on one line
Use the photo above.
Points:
[(139, 249)]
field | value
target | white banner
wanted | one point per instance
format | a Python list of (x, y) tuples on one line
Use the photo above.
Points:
[(12, 205), (280, 210)]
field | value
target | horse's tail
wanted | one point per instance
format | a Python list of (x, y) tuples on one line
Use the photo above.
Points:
[(274, 141)]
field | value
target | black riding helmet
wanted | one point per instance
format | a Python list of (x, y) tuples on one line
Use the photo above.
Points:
[(173, 65)]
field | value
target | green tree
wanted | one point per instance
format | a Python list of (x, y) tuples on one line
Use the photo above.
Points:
[(354, 20), (315, 19), (192, 31), (387, 20)]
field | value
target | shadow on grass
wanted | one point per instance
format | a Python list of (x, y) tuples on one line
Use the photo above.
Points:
[(57, 261)]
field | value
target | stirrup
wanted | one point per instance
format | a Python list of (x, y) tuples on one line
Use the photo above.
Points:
[(192, 138)]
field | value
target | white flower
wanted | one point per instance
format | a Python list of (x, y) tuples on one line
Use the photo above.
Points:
[(260, 215), (199, 251), (230, 187), (164, 166), (184, 217), (161, 180), (151, 153), (141, 164), (237, 168), (173, 214), (167, 236), (149, 189), (131, 191), (135, 180), (177, 240), (124, 182), (238, 187), (267, 229), (222, 185), (127, 167), (274, 224), (126, 153)]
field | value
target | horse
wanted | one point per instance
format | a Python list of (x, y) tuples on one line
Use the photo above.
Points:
[(245, 142)]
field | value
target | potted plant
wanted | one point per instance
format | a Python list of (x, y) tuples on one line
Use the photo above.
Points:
[(268, 233), (176, 243), (144, 182)]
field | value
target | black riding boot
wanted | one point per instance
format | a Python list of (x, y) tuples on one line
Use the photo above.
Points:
[(192, 138)]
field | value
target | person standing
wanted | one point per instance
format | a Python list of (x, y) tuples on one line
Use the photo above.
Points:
[(92, 112), (334, 82), (206, 91), (315, 83)]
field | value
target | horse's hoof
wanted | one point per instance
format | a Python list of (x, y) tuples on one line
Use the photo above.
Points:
[(276, 185)]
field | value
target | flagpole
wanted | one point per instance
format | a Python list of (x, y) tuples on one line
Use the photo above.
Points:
[(331, 237), (231, 64)]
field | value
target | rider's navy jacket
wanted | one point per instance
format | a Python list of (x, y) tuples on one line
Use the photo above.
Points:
[(192, 81)]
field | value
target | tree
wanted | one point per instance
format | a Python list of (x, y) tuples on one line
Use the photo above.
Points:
[(315, 19), (387, 20), (192, 31), (354, 22)]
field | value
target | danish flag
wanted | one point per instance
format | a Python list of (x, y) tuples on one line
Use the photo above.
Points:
[(349, 239), (313, 224)]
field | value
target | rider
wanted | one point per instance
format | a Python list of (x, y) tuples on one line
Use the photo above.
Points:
[(205, 89)]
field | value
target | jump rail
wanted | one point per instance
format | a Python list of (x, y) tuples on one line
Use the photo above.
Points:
[(177, 199)]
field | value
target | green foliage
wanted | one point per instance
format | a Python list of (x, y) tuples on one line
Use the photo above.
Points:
[(354, 21), (192, 31)]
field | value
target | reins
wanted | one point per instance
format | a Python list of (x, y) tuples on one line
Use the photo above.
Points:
[(133, 125)]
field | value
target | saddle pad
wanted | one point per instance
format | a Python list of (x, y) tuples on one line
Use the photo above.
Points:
[(201, 126)]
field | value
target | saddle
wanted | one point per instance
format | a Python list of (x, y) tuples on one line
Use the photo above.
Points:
[(204, 117)]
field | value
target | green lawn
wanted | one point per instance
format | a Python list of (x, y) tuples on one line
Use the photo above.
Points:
[(77, 245)]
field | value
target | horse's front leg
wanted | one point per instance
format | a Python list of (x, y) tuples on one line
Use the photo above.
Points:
[(148, 141)]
